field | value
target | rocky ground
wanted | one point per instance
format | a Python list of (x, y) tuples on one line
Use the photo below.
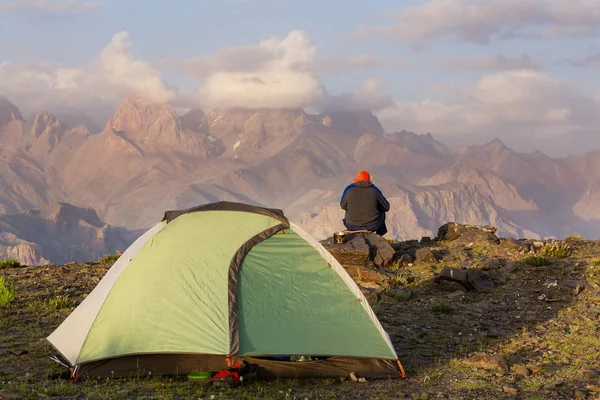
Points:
[(472, 316)]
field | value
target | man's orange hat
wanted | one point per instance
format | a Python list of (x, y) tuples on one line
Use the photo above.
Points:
[(363, 176)]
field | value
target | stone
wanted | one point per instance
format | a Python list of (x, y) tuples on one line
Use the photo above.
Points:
[(593, 388), (497, 277), (469, 278), (365, 274), (425, 239), (451, 231), (356, 251), (6, 395), (449, 257), (510, 268), (513, 391), (479, 281), (380, 251), (490, 264), (405, 259), (579, 395), (590, 373), (492, 362), (521, 370), (513, 245), (424, 256)]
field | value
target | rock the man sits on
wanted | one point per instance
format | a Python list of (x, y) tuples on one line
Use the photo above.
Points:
[(365, 205)]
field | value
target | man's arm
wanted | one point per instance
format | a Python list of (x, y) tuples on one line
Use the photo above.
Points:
[(344, 200), (382, 202)]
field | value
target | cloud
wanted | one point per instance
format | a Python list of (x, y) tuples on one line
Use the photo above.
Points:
[(284, 80), (591, 61), (510, 102), (54, 7), (100, 83), (482, 21), (369, 97), (500, 62)]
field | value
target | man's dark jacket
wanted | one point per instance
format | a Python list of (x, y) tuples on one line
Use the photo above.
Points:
[(363, 203)]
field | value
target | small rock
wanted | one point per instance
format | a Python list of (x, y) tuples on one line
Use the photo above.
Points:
[(522, 370), (353, 377), (405, 259), (425, 239), (510, 268), (480, 281), (449, 258), (423, 256), (488, 361), (593, 388), (490, 264), (17, 352), (362, 380), (6, 395), (590, 373), (463, 257), (513, 391), (579, 395)]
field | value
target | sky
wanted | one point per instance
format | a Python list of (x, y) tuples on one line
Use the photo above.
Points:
[(525, 71)]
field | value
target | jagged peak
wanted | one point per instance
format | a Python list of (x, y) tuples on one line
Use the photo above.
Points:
[(9, 112), (138, 114)]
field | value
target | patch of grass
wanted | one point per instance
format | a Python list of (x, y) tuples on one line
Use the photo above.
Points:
[(391, 241), (472, 384), (536, 261), (441, 308), (596, 262), (575, 238), (8, 292), (404, 278), (10, 263), (109, 259), (61, 302), (555, 250)]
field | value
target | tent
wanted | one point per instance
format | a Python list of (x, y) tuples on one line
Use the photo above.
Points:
[(219, 283)]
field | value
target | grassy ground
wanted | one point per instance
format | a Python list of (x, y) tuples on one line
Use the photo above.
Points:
[(540, 318)]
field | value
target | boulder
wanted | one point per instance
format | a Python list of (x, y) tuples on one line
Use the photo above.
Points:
[(362, 249), (424, 255), (513, 245), (355, 251), (467, 233), (381, 252)]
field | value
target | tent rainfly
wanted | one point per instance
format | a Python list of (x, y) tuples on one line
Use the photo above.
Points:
[(221, 282)]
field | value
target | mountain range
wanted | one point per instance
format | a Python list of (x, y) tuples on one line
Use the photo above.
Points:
[(148, 159)]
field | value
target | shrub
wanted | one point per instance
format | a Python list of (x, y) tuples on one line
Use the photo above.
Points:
[(441, 308), (7, 292), (10, 263), (555, 250), (536, 261), (109, 258), (575, 238), (61, 302)]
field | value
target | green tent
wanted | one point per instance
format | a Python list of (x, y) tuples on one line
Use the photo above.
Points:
[(222, 282)]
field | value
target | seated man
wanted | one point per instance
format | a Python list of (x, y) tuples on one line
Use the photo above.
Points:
[(365, 205)]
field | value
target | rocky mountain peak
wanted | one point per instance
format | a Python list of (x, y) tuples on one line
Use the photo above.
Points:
[(141, 120), (44, 121), (9, 112)]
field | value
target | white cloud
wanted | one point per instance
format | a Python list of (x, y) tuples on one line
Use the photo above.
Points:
[(50, 6), (499, 62), (284, 81), (511, 102), (481, 21), (100, 83)]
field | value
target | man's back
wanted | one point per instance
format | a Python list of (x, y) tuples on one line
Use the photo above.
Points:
[(363, 203)]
